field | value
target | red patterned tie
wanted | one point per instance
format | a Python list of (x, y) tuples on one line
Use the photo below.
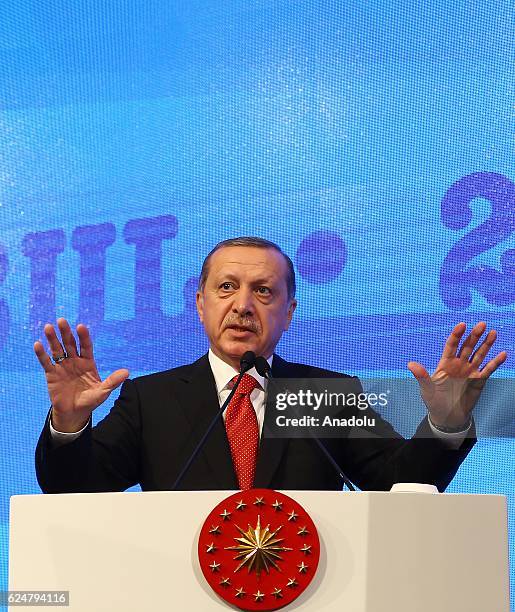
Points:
[(243, 431)]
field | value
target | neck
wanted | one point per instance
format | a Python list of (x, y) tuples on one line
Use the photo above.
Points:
[(234, 362)]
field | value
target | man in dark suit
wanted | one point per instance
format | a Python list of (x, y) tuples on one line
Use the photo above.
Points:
[(245, 300)]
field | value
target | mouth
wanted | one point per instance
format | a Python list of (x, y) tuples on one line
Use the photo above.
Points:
[(240, 329)]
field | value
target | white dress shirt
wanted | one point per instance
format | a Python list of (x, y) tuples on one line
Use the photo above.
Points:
[(224, 373)]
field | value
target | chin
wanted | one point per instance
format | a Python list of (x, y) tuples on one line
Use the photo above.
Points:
[(238, 349)]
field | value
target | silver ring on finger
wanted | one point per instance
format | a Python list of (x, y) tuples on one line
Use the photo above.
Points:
[(60, 358)]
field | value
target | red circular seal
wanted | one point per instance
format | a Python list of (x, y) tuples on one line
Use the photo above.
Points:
[(258, 549)]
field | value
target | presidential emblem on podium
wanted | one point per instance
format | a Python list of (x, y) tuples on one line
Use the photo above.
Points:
[(258, 549)]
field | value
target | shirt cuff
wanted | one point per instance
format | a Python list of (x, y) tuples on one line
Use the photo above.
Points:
[(60, 437), (451, 440)]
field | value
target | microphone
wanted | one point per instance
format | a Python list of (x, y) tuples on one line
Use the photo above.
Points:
[(247, 362), (263, 368)]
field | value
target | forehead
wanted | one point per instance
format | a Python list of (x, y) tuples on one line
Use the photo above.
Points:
[(251, 261)]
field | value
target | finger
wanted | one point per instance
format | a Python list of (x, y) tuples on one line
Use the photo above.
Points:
[(86, 346), (493, 364), (67, 336), (472, 339), (451, 345), (56, 348), (484, 348), (418, 370), (115, 379), (43, 357), (421, 374)]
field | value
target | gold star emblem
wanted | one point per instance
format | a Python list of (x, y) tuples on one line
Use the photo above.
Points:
[(292, 583), (215, 567), (259, 502), (225, 515), (303, 531), (240, 505), (215, 529), (240, 593), (258, 548), (259, 596), (303, 568), (306, 549), (277, 505), (277, 593), (211, 548), (292, 516), (225, 582)]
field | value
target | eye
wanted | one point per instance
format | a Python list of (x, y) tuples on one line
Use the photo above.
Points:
[(227, 286), (263, 290)]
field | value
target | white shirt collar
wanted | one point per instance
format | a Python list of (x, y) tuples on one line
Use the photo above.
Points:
[(224, 373)]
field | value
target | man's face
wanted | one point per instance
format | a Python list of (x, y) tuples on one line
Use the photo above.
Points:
[(244, 305)]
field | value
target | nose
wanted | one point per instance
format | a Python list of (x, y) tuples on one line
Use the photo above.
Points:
[(243, 303)]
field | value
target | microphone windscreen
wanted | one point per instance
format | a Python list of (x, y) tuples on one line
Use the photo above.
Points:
[(247, 361), (263, 367)]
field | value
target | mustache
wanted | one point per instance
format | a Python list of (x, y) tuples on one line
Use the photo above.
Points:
[(246, 322)]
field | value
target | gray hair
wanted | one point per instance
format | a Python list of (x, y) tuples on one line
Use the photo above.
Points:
[(251, 241)]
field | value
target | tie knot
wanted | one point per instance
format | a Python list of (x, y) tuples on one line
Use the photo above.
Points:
[(247, 385)]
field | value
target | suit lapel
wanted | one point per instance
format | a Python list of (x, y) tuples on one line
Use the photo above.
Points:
[(271, 449), (199, 399)]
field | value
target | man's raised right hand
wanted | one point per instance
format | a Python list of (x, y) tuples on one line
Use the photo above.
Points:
[(74, 386)]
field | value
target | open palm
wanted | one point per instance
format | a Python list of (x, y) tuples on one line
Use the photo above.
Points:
[(452, 391), (74, 385)]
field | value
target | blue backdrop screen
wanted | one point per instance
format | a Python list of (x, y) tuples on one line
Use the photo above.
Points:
[(372, 140)]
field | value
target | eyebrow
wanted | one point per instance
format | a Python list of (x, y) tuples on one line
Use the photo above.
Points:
[(257, 281)]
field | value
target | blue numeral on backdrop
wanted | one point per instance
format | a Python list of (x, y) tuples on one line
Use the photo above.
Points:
[(457, 277)]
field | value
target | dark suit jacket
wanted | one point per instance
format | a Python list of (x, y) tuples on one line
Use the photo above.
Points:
[(158, 420)]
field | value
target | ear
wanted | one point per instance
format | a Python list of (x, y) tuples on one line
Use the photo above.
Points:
[(200, 305), (291, 310)]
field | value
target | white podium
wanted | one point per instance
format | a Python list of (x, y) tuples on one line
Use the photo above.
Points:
[(380, 552)]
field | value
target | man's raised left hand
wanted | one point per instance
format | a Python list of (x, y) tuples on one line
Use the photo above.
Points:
[(453, 390)]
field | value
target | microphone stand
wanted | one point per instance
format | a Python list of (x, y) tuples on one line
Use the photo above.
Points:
[(246, 363)]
